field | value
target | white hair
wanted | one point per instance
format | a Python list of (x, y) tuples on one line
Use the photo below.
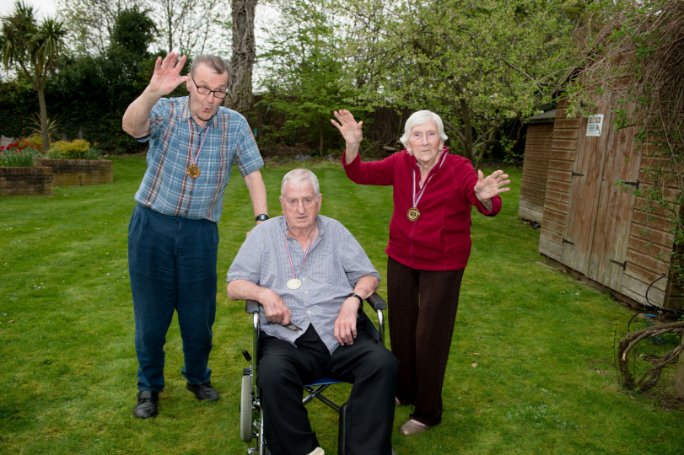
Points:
[(300, 175), (418, 118)]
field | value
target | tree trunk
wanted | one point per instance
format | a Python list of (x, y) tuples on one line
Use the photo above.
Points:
[(468, 141), (240, 95), (43, 120), (679, 376)]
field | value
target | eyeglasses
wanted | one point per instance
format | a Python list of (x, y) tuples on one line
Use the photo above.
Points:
[(202, 90)]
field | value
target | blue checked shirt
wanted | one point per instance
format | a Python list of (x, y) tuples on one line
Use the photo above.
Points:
[(175, 137), (334, 264)]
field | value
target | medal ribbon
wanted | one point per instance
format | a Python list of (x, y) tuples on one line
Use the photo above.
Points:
[(289, 257), (415, 199), (193, 157)]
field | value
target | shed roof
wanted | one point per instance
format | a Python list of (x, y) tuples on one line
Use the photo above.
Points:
[(545, 117)]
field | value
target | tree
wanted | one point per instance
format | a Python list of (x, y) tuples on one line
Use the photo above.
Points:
[(90, 22), (192, 26), (478, 63), (240, 95), (188, 26), (92, 92), (306, 79), (125, 67), (33, 50)]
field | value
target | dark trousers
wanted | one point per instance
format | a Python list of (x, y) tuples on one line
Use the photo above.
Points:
[(422, 312), (284, 369), (172, 267)]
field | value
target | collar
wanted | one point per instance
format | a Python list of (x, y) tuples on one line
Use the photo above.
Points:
[(440, 159), (319, 224)]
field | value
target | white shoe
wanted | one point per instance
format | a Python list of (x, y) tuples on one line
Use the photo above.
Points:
[(317, 451), (412, 427)]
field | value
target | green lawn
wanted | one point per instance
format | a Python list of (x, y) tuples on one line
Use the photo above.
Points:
[(531, 369)]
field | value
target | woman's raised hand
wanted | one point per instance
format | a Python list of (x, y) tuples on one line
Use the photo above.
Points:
[(490, 186), (350, 129)]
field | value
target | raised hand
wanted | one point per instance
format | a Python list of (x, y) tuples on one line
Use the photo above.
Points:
[(349, 128), (166, 76), (488, 187)]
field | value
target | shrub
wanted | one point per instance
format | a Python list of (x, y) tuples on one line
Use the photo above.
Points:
[(34, 141), (78, 149)]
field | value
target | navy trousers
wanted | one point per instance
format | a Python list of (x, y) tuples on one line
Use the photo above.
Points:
[(367, 364), (172, 267)]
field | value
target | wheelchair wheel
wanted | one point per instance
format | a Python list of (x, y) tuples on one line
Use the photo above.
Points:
[(246, 408)]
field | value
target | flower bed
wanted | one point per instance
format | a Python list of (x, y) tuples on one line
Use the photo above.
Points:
[(20, 153)]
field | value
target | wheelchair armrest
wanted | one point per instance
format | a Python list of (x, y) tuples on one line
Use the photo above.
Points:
[(377, 302), (251, 306), (374, 300)]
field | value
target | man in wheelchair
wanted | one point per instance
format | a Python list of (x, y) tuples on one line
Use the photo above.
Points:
[(310, 276)]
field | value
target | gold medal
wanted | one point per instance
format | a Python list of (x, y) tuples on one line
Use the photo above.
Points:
[(193, 171), (294, 283), (413, 214)]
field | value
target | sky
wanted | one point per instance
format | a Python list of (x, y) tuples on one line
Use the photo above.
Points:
[(42, 7)]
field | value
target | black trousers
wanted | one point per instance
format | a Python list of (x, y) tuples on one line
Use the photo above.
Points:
[(284, 369), (422, 314)]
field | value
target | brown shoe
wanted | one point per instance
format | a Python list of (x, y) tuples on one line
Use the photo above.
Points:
[(412, 427)]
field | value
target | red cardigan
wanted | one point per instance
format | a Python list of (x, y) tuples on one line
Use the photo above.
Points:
[(440, 238)]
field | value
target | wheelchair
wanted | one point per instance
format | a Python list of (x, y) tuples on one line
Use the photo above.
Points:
[(251, 414)]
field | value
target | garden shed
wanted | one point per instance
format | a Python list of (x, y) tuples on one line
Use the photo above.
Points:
[(539, 133), (596, 219)]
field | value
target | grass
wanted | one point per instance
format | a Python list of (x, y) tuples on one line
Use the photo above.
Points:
[(531, 369)]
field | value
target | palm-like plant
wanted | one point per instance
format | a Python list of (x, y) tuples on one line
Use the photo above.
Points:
[(33, 50)]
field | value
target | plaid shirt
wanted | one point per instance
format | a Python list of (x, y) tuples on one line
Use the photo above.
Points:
[(174, 138), (334, 264)]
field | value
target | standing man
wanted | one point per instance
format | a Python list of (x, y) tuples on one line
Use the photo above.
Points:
[(173, 235)]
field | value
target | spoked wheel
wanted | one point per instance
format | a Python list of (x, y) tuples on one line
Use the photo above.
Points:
[(246, 408)]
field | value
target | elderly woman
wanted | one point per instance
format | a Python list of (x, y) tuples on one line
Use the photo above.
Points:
[(428, 249)]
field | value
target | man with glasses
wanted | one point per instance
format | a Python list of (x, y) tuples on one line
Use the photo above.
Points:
[(173, 236)]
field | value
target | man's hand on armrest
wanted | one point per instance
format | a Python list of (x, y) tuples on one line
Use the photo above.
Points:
[(274, 308)]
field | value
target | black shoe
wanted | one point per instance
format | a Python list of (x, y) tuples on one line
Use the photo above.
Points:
[(203, 392), (147, 404)]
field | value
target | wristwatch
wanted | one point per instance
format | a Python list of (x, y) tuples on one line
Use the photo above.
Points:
[(357, 296), (262, 217)]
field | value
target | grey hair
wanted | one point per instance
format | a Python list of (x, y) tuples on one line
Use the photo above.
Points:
[(418, 118), (300, 175), (214, 62)]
